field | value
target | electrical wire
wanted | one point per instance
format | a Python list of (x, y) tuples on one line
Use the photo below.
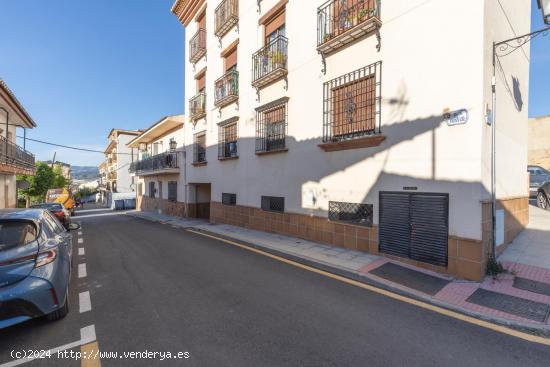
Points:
[(69, 147)]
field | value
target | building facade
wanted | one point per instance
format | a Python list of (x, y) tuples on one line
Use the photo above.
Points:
[(359, 123), (119, 156), (14, 159), (158, 170)]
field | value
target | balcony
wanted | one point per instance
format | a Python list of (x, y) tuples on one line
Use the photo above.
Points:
[(161, 163), (227, 89), (197, 46), (197, 107), (14, 159), (270, 62), (341, 22), (227, 16)]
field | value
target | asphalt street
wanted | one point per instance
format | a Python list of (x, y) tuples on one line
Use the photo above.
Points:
[(156, 288)]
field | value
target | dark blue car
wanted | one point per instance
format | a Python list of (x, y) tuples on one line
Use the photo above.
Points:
[(35, 266)]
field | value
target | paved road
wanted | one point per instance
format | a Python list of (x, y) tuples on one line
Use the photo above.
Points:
[(158, 288)]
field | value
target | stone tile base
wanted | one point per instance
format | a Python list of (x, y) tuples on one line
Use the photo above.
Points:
[(166, 207)]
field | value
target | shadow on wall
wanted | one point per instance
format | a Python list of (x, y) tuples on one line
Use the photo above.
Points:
[(516, 93)]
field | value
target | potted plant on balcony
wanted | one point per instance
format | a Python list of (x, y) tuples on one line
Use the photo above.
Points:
[(279, 59)]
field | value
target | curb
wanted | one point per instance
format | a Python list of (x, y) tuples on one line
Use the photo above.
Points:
[(538, 330)]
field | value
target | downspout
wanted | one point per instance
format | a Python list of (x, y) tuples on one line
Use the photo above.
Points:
[(493, 158)]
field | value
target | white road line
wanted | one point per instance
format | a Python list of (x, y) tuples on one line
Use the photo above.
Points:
[(80, 240), (102, 215), (87, 335), (81, 251), (92, 210), (80, 233), (85, 304), (82, 270)]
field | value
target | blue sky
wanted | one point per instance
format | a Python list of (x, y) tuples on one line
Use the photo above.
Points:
[(83, 67)]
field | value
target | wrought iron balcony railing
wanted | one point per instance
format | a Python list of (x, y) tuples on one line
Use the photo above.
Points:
[(167, 160), (227, 89), (342, 21), (270, 62), (12, 154), (197, 106), (197, 46), (227, 16)]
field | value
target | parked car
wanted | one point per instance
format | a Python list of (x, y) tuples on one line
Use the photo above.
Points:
[(543, 196), (537, 177), (57, 209), (35, 266)]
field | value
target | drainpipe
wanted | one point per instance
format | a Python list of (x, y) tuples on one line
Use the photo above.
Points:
[(493, 157)]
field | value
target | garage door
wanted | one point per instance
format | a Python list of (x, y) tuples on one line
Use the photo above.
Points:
[(415, 225)]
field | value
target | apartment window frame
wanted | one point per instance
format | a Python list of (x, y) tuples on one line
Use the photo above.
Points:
[(152, 190), (199, 147), (273, 204), (342, 118), (229, 199), (173, 191), (228, 137), (359, 214), (271, 135)]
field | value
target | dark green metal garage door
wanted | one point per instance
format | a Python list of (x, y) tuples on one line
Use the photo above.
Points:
[(415, 225)]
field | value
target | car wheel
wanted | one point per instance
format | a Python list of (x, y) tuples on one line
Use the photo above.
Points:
[(61, 312), (542, 201)]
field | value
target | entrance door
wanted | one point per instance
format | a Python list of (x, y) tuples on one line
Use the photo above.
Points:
[(415, 225)]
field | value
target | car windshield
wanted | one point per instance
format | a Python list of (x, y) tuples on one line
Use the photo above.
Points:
[(49, 206), (16, 233)]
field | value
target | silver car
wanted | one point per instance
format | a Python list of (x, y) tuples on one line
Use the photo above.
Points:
[(538, 176)]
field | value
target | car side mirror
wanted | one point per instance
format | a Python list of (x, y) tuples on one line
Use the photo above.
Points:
[(74, 226)]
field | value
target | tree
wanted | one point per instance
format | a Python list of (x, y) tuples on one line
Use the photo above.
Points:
[(39, 184), (59, 180)]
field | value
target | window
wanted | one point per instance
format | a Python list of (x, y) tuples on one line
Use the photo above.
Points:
[(201, 82), (160, 189), (275, 26), (271, 126), (152, 189), (360, 214), (14, 234), (230, 60), (199, 147), (53, 222), (273, 203), (351, 105), (229, 199), (227, 138), (173, 191)]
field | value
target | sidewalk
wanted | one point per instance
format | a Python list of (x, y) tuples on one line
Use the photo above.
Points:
[(520, 300)]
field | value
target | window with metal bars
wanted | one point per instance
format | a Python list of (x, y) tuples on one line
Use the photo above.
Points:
[(152, 189), (199, 147), (172, 191), (271, 122), (273, 203), (352, 104), (227, 138), (229, 199), (360, 214)]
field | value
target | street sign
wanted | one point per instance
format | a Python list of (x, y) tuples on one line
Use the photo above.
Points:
[(458, 117)]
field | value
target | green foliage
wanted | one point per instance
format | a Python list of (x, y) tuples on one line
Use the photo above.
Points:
[(40, 183), (59, 179), (84, 193)]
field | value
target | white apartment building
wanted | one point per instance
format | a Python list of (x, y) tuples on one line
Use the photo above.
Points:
[(158, 169), (120, 184), (359, 123), (14, 160)]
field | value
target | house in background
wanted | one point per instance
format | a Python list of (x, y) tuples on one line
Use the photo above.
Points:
[(120, 184), (14, 159), (539, 141), (158, 168), (326, 121)]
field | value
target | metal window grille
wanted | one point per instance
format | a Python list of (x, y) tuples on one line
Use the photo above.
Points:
[(352, 104), (160, 190), (197, 106), (270, 58), (199, 147), (338, 16), (273, 203), (229, 199), (271, 124), (227, 15), (166, 160), (227, 88), (360, 214), (172, 191), (227, 140), (13, 154), (152, 189)]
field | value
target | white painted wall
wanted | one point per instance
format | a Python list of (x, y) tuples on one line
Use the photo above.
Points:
[(125, 157), (432, 54)]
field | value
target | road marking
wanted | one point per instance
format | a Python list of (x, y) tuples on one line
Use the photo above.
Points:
[(91, 210), (398, 297), (84, 302), (90, 352), (82, 270), (80, 233), (81, 251), (102, 215), (87, 335), (80, 240)]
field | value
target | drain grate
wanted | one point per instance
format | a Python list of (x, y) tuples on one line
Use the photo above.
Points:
[(531, 310), (410, 278), (532, 286)]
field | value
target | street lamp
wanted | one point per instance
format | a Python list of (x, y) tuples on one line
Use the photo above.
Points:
[(544, 6)]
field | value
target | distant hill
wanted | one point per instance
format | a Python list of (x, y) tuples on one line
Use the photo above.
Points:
[(84, 172)]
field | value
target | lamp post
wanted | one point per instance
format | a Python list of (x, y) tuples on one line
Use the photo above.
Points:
[(502, 49)]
